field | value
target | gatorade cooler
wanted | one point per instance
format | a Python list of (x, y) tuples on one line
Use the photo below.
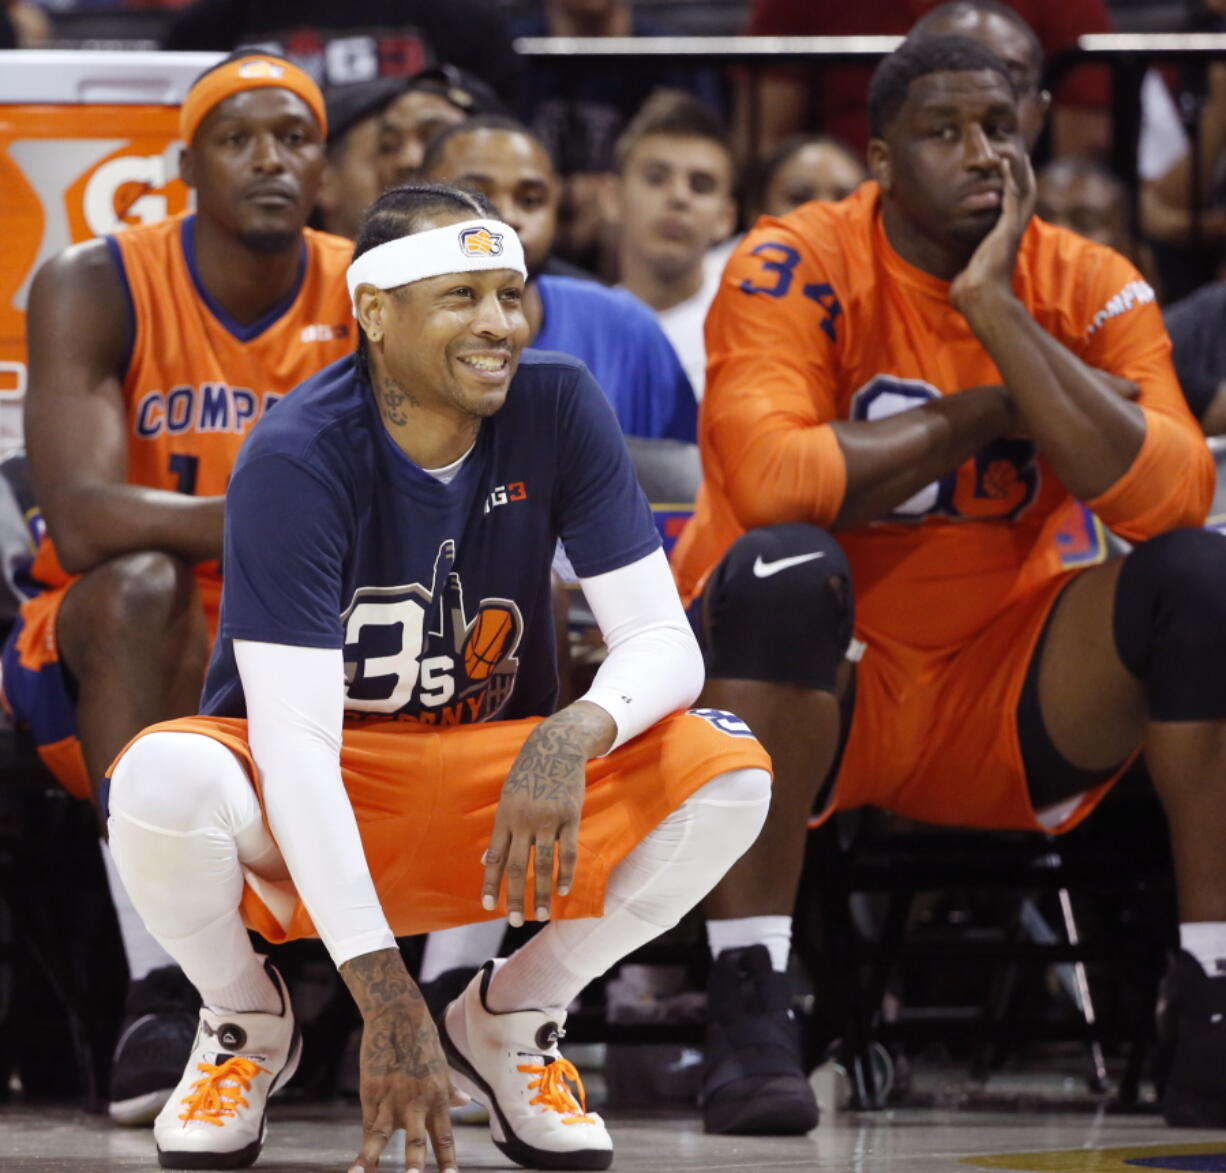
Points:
[(88, 143)]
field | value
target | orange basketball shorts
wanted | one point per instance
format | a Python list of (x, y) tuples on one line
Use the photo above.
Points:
[(39, 691), (425, 801), (934, 734)]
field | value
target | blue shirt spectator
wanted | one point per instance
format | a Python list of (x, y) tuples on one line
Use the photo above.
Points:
[(621, 342)]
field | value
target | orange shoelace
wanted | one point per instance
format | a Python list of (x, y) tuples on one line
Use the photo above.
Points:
[(552, 1086), (218, 1095)]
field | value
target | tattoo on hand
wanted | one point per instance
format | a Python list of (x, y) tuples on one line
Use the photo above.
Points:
[(393, 395), (398, 1035), (546, 766)]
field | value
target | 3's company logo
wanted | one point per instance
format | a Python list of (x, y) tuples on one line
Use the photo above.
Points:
[(480, 242), (413, 652)]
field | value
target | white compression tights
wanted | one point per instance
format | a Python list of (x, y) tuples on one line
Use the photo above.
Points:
[(185, 825)]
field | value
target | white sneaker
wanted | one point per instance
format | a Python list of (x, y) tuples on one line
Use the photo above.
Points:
[(511, 1064), (217, 1116)]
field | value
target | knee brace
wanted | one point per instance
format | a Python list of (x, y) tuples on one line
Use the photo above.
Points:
[(779, 608), (1170, 623)]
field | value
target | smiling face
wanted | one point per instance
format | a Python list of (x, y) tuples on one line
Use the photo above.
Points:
[(514, 172), (255, 163), (939, 162), (675, 200), (452, 342)]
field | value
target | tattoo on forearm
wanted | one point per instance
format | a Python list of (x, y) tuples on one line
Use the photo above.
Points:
[(555, 750), (393, 395), (398, 1035)]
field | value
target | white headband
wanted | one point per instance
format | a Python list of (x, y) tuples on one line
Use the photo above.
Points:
[(467, 247)]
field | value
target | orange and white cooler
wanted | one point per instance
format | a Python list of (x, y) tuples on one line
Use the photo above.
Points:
[(88, 143)]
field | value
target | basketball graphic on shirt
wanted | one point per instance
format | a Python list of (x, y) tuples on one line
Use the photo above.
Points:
[(489, 639)]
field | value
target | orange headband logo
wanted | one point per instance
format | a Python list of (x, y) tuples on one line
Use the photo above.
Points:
[(247, 73), (249, 69), (480, 242)]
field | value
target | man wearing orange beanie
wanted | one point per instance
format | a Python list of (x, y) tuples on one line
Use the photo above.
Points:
[(152, 352)]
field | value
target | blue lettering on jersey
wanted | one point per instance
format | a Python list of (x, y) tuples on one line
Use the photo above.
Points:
[(725, 722), (212, 407)]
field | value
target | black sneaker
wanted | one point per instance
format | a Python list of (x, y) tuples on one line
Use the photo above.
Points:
[(445, 989), (155, 1042), (1192, 1036), (439, 994), (753, 1080)]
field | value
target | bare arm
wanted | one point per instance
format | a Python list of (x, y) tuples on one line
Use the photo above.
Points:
[(1078, 419), (404, 1079), (1087, 431), (1166, 201), (540, 805), (889, 460), (76, 425)]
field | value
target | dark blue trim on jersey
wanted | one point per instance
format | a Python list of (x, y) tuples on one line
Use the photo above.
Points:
[(242, 333), (112, 246)]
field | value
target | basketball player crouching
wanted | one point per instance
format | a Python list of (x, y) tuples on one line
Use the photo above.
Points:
[(373, 758)]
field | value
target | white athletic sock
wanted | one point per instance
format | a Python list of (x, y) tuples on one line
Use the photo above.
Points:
[(1206, 941), (184, 820), (465, 947), (143, 952), (775, 932), (661, 879)]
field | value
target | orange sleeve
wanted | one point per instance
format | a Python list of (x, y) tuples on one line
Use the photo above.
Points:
[(1171, 481), (770, 384)]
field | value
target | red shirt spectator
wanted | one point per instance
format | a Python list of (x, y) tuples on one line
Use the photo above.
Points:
[(835, 102)]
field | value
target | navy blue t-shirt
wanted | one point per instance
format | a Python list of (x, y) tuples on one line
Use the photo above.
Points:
[(627, 351), (439, 594)]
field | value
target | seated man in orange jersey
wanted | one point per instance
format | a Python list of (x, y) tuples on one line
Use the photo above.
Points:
[(932, 374), (152, 352)]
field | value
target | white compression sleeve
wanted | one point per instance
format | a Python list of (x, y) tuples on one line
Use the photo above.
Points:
[(654, 666), (295, 707)]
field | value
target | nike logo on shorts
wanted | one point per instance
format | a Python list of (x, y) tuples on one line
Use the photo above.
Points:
[(766, 569)]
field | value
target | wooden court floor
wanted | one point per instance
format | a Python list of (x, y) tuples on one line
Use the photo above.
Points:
[(305, 1138)]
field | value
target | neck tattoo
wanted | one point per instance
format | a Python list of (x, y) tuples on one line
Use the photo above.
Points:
[(393, 398)]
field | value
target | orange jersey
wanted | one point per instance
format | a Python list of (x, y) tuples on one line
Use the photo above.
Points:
[(196, 380), (818, 319)]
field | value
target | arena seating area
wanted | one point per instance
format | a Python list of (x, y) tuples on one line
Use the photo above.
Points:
[(914, 947)]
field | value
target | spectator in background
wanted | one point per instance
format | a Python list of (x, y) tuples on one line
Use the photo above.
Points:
[(1085, 198), (806, 167), (342, 44), (578, 114), (432, 101), (1199, 351), (350, 180), (672, 201), (377, 135), (610, 330), (24, 25), (791, 99)]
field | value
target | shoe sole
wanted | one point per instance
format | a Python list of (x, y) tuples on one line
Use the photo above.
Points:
[(249, 1154), (139, 1110), (774, 1108), (468, 1080)]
